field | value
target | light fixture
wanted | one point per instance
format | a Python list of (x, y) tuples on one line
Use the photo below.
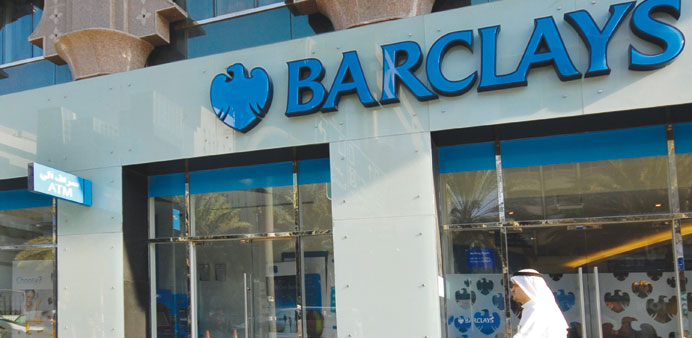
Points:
[(629, 246)]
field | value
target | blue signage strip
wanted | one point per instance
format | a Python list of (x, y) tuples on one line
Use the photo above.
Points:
[(313, 171), (167, 185), (242, 178), (59, 184), (587, 147), (22, 199), (467, 157), (683, 137)]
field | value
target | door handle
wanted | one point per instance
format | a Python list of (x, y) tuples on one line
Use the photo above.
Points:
[(598, 301), (245, 290), (581, 303)]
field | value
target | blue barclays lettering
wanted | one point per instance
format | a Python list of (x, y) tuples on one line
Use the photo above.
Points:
[(304, 76), (597, 39), (349, 79), (307, 94), (667, 37), (545, 47), (484, 320)]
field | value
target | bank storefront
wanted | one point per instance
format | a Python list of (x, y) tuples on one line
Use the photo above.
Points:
[(380, 181)]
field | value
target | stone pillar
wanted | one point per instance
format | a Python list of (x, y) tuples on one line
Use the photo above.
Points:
[(352, 13), (96, 38), (90, 260), (385, 237)]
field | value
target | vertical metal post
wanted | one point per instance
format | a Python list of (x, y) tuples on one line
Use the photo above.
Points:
[(503, 233), (300, 273), (677, 242), (582, 307), (245, 309), (500, 182), (54, 326), (193, 288), (597, 290), (152, 288)]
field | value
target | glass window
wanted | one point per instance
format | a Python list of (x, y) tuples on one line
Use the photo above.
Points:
[(32, 75), (621, 172), (25, 218), (170, 264), (468, 184), (315, 194), (257, 29), (248, 281), (474, 283), (27, 265), (683, 157), (18, 19), (320, 299), (626, 275), (27, 293), (252, 199), (167, 193)]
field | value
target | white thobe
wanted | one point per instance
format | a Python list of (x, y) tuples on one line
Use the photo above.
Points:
[(540, 322)]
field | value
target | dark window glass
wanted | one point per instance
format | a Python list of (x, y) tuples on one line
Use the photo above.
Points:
[(25, 218), (243, 32), (17, 24), (200, 9), (172, 290), (27, 76), (267, 2), (230, 6)]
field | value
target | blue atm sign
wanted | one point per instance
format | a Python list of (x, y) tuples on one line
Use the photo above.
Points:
[(56, 183)]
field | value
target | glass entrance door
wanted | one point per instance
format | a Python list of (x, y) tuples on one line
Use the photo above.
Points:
[(610, 280), (247, 288)]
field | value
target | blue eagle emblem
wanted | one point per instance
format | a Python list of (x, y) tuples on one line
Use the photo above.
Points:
[(565, 300), (486, 322), (239, 100), (461, 323)]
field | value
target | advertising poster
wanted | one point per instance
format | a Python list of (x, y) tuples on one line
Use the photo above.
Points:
[(475, 305), (35, 300)]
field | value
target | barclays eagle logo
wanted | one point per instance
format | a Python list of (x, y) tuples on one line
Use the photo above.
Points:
[(239, 100)]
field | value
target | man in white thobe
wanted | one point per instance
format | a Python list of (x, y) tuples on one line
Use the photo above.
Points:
[(541, 317)]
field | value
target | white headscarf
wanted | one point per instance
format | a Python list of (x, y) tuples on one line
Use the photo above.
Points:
[(533, 284)]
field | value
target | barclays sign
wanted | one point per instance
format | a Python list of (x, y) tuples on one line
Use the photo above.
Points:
[(241, 100)]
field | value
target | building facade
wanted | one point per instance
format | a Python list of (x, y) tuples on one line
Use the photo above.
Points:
[(266, 176)]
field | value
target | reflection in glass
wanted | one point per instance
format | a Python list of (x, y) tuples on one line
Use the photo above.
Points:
[(320, 292), (587, 189), (469, 197), (230, 6), (28, 76), (27, 293), (169, 216), (315, 206), (258, 289), (257, 29), (474, 283), (261, 210), (684, 169), (627, 272), (686, 230), (172, 295), (26, 226)]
